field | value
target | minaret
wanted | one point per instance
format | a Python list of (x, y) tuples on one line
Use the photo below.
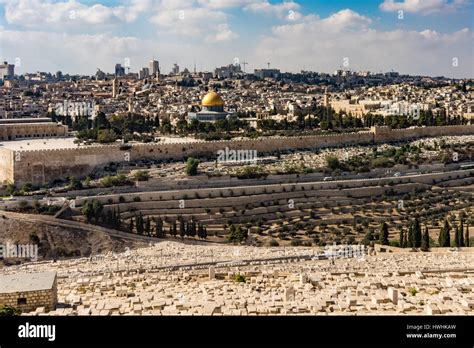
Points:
[(115, 87), (326, 97)]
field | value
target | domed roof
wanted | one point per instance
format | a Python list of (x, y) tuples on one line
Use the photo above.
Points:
[(212, 99)]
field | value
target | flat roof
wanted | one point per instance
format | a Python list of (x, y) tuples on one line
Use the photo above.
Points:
[(26, 120), (39, 144), (68, 143), (21, 282)]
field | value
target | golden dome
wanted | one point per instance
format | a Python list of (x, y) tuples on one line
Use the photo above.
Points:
[(212, 99)]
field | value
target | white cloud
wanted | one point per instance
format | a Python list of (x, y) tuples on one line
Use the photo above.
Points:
[(423, 6), (194, 22), (38, 13), (286, 9), (323, 45), (222, 33), (221, 4)]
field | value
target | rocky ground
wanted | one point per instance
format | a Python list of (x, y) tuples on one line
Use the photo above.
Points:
[(55, 240), (171, 278)]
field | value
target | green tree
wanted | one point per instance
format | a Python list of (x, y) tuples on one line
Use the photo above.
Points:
[(97, 208), (367, 238), (467, 235), (416, 233), (88, 211), (182, 228), (410, 237), (401, 238), (457, 236), (383, 234), (444, 239), (11, 189), (174, 229), (192, 166), (106, 136), (148, 226), (461, 233), (332, 162), (425, 241), (237, 234), (74, 183)]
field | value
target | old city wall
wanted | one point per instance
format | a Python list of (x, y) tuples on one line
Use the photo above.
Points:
[(383, 134), (6, 166), (43, 166)]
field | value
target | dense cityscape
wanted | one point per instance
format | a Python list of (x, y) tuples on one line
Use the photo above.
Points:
[(144, 190)]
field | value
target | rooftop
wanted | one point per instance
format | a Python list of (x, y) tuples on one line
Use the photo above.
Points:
[(21, 282), (39, 144)]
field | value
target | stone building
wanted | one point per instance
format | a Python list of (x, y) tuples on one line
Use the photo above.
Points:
[(28, 291), (23, 128)]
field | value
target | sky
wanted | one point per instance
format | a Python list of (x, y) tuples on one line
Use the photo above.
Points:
[(419, 37)]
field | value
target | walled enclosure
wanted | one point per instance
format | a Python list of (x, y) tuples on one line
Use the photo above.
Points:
[(43, 166)]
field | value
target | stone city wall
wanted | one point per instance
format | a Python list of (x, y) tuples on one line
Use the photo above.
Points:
[(43, 166), (6, 165)]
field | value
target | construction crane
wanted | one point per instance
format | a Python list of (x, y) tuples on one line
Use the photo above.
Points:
[(268, 65), (244, 64)]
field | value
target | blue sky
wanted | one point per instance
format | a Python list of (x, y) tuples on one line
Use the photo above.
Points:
[(434, 37)]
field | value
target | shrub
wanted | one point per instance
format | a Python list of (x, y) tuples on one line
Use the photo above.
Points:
[(273, 243), (8, 311), (141, 175), (239, 278)]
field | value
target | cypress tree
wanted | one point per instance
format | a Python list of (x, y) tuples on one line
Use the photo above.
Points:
[(425, 241), (444, 236), (405, 240), (174, 229), (182, 229), (383, 237), (467, 235), (400, 239), (410, 237), (457, 238), (416, 233), (461, 234), (148, 226)]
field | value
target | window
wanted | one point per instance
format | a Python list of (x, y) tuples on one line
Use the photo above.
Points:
[(21, 301)]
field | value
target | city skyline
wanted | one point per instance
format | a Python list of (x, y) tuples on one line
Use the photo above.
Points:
[(430, 38)]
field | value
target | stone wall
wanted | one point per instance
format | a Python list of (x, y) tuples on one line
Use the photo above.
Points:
[(31, 130), (43, 166), (34, 299), (6, 166)]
